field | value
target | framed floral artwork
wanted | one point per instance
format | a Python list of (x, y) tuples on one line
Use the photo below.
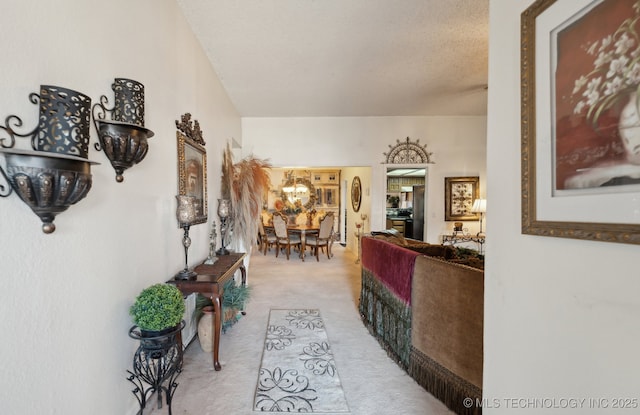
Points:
[(192, 165), (580, 119), (459, 194)]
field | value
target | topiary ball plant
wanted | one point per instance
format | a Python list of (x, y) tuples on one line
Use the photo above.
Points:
[(158, 307)]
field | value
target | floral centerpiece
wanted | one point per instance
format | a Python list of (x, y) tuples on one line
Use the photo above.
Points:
[(289, 208)]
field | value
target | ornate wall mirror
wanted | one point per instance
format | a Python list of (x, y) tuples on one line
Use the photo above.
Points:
[(356, 193), (192, 165), (299, 189)]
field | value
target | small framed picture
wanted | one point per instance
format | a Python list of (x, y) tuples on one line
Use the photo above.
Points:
[(459, 194)]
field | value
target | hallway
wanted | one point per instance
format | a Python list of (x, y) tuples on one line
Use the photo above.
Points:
[(373, 384)]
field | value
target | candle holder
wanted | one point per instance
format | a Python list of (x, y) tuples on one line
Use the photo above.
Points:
[(224, 212), (55, 174), (123, 138), (186, 215), (358, 235)]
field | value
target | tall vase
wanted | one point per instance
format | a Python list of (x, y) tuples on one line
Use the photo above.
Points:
[(205, 329), (629, 129)]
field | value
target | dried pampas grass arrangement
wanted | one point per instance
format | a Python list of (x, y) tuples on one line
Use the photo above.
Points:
[(245, 183)]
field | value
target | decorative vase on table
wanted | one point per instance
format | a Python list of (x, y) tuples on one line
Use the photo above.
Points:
[(205, 329)]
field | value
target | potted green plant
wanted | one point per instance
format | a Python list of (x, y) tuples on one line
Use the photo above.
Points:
[(233, 299), (157, 312)]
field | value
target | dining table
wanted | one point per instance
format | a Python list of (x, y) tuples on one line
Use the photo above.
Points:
[(303, 230)]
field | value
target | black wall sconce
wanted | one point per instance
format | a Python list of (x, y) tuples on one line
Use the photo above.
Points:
[(123, 138), (56, 173)]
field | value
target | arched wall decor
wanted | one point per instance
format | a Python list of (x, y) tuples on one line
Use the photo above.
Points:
[(407, 152)]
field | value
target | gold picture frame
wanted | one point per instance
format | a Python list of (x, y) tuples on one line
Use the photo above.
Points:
[(192, 174), (550, 206), (459, 194)]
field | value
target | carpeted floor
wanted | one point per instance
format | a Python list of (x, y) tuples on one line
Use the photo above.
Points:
[(373, 384)]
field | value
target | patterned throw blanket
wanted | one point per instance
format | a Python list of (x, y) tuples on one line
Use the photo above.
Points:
[(385, 297)]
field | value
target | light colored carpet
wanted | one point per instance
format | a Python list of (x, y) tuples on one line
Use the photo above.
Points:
[(298, 371), (373, 384)]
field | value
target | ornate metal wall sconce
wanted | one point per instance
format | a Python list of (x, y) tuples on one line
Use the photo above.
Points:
[(56, 173), (186, 215), (123, 138)]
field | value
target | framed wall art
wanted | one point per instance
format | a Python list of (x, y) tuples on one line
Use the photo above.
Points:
[(459, 194), (192, 165), (580, 120)]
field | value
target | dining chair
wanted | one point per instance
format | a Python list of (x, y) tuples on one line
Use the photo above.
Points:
[(324, 238), (267, 239), (283, 237)]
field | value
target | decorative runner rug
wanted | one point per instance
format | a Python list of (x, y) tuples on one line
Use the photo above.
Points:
[(298, 373)]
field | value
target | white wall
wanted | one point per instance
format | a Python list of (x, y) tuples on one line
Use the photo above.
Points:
[(561, 315), (347, 175), (65, 298), (458, 145)]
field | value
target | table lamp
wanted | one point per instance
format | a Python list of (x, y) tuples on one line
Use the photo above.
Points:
[(479, 206)]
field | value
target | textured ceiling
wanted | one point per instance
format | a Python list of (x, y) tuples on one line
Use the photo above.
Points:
[(293, 58)]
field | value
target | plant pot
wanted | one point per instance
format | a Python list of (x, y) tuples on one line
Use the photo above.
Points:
[(205, 329), (157, 343)]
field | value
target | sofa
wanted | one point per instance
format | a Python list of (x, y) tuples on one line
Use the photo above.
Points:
[(424, 303)]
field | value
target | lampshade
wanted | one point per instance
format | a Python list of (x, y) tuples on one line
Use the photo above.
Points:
[(186, 210), (479, 206)]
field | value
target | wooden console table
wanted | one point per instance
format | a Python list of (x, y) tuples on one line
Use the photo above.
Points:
[(210, 283)]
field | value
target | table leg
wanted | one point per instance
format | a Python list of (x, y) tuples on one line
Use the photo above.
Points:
[(217, 330)]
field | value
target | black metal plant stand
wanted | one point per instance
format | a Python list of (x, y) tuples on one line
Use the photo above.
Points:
[(156, 365)]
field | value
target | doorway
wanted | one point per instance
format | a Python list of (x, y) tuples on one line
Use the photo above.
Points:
[(405, 203)]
